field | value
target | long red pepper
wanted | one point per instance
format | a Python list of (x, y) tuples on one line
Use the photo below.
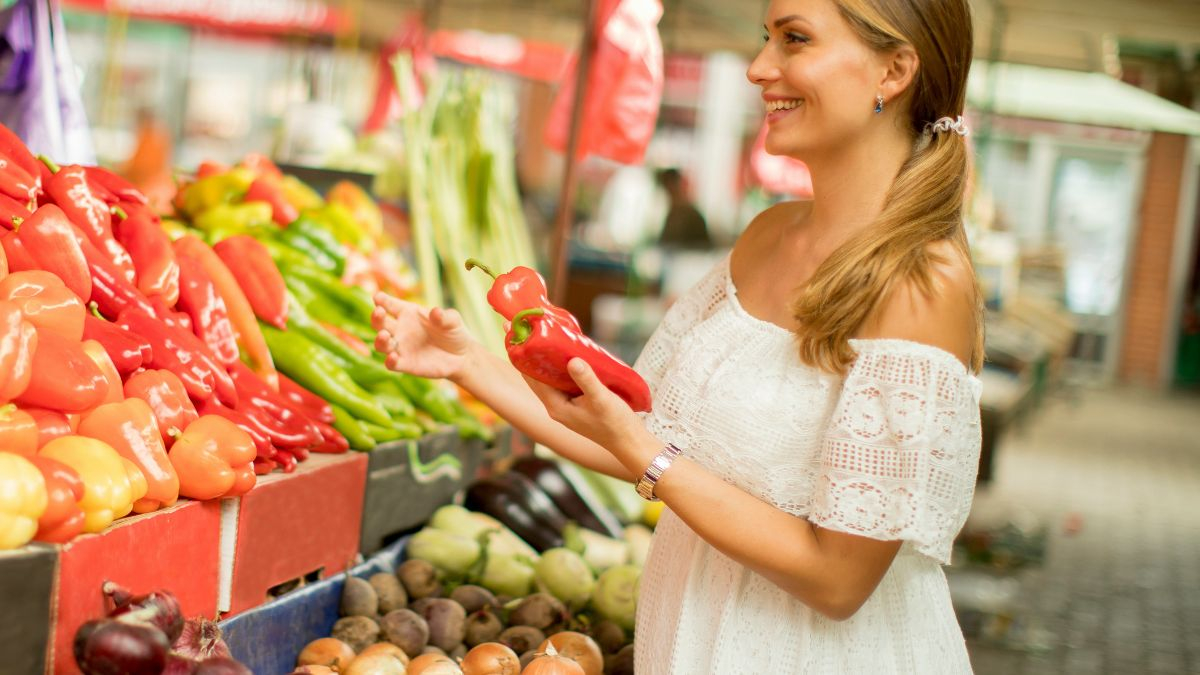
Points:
[(261, 443), (121, 189), (251, 264), (12, 212), (76, 196), (127, 351), (519, 289), (153, 257), (198, 298), (540, 345), (316, 407), (12, 147), (286, 425), (16, 182)]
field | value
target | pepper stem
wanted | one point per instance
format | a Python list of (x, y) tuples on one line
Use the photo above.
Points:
[(472, 263), (95, 309), (521, 328), (119, 212), (54, 168), (16, 223)]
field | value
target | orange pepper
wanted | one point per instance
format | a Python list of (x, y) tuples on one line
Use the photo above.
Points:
[(18, 342), (214, 458), (46, 302), (18, 431), (130, 428), (114, 391), (63, 518), (168, 400)]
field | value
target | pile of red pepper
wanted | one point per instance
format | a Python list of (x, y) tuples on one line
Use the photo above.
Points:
[(133, 369)]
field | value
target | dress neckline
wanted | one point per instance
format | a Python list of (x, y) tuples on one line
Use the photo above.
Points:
[(859, 345)]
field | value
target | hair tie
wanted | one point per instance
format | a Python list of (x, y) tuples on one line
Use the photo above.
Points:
[(958, 126)]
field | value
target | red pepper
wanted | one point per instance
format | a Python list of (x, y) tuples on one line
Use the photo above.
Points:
[(266, 190), (333, 442), (286, 461), (18, 431), (127, 350), (12, 212), (251, 264), (316, 407), (519, 289), (198, 298), (17, 183), (67, 379), (110, 291), (261, 443), (45, 302), (284, 424), (209, 168), (51, 424), (12, 147), (263, 466), (18, 344), (130, 428), (77, 197), (63, 517), (121, 189), (163, 391), (261, 165), (540, 345), (213, 459), (171, 352), (47, 241), (124, 209), (114, 391), (153, 257)]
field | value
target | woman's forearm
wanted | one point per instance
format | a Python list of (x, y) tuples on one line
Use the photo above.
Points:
[(502, 388)]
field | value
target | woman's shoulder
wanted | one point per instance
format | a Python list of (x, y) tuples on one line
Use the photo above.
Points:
[(763, 226), (939, 311)]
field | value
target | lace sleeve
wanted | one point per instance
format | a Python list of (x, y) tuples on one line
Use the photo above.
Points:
[(902, 449)]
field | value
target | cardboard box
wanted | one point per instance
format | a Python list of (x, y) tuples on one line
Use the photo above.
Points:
[(409, 480), (174, 549), (26, 607), (302, 525), (269, 638)]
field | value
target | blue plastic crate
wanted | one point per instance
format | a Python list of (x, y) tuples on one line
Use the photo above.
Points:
[(269, 638)]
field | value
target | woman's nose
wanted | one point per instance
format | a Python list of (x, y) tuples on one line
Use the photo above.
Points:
[(762, 70)]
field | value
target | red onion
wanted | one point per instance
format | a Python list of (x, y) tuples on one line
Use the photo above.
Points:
[(200, 640), (157, 608), (108, 647)]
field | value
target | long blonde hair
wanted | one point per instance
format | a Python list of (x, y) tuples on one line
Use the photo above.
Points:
[(924, 204)]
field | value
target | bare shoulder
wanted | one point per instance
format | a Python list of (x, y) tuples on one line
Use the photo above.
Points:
[(942, 316), (764, 226)]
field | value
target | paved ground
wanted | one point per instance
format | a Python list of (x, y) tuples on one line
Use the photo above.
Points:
[(1121, 595)]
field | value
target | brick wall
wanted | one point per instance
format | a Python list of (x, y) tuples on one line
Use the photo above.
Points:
[(1144, 345)]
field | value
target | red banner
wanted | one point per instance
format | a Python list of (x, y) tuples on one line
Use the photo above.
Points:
[(261, 16)]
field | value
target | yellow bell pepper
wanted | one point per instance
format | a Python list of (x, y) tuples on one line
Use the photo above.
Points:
[(22, 500), (108, 492)]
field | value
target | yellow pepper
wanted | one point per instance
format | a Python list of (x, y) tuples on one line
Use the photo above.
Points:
[(108, 492), (22, 500)]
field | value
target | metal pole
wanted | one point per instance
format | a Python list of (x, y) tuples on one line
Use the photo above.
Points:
[(566, 195)]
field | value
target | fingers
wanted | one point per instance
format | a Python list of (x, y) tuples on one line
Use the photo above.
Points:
[(445, 319), (389, 303), (585, 377)]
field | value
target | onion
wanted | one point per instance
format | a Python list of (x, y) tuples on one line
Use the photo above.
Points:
[(200, 640), (108, 647), (157, 608), (491, 658), (378, 663), (551, 663), (433, 664), (384, 648), (326, 652), (578, 647), (221, 665), (314, 670)]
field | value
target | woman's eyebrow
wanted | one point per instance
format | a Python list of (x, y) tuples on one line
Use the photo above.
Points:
[(780, 22)]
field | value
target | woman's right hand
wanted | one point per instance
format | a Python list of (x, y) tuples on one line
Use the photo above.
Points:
[(423, 341)]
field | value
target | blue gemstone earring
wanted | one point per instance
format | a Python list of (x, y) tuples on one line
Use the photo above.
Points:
[(878, 104)]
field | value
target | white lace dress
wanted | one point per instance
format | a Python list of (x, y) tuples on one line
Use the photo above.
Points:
[(888, 452)]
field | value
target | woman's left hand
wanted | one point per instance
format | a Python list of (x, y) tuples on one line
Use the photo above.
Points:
[(600, 416)]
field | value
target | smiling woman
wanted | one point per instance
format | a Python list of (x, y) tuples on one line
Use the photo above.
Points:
[(814, 432)]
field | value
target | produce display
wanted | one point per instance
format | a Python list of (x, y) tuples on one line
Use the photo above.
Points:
[(147, 635)]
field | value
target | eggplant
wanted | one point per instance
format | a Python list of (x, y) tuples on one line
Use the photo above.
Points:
[(501, 501), (549, 477)]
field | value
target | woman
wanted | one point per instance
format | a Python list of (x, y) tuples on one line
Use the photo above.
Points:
[(818, 382)]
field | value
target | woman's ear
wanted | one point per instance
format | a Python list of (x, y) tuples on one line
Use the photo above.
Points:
[(900, 69)]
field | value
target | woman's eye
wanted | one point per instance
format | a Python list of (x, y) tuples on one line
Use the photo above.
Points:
[(795, 38)]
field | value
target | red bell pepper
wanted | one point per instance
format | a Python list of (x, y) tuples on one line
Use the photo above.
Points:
[(114, 391), (265, 189), (63, 517), (245, 325), (285, 425), (130, 428), (174, 350), (18, 431), (12, 212), (47, 241), (121, 189), (67, 379), (51, 424), (198, 298), (71, 190), (45, 302), (213, 458), (540, 346), (163, 391), (262, 444), (317, 408), (18, 343), (519, 289), (127, 350), (153, 257), (255, 271)]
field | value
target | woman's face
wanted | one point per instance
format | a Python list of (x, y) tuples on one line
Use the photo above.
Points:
[(818, 78)]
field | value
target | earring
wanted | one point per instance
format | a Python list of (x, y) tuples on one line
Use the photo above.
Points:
[(878, 104)]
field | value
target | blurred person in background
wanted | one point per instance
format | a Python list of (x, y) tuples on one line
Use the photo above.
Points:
[(149, 167), (684, 227), (815, 426)]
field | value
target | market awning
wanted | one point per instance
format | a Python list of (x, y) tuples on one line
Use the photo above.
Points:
[(1073, 96)]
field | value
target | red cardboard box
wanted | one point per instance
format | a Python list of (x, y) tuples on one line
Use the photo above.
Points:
[(292, 526), (174, 549)]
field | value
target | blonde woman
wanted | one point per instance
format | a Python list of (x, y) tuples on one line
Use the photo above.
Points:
[(815, 431)]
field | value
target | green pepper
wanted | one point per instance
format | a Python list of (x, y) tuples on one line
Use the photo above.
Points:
[(309, 226), (239, 217), (356, 302), (316, 370), (221, 188), (352, 429), (284, 255), (342, 224), (361, 368), (305, 247), (399, 407), (323, 309), (392, 432)]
